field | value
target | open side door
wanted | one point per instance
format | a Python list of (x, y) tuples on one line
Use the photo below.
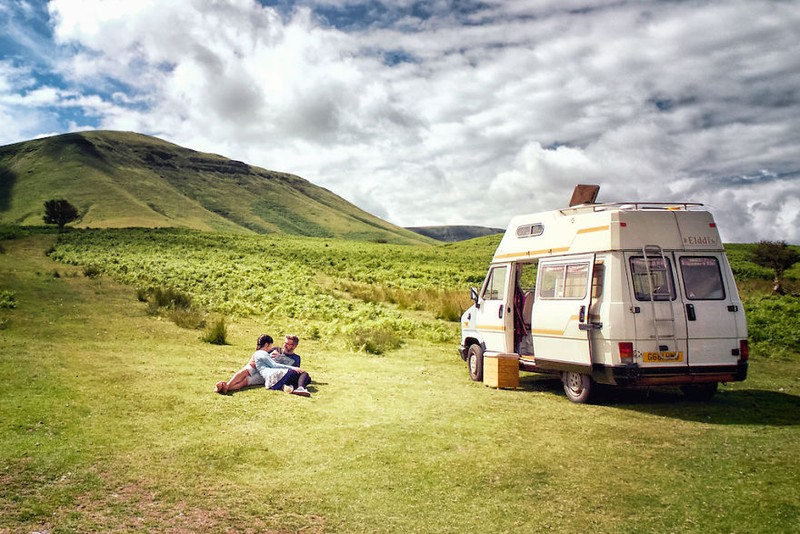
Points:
[(494, 319), (561, 324)]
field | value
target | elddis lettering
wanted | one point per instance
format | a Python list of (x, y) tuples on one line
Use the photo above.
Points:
[(699, 240)]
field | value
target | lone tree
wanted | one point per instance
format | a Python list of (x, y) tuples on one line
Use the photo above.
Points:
[(59, 212), (775, 255)]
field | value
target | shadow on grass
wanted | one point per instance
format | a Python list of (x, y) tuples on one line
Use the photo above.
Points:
[(729, 407), (312, 388)]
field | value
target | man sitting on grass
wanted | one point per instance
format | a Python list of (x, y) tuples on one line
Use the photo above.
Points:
[(286, 354), (263, 370)]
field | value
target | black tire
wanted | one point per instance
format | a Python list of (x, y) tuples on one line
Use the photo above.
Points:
[(578, 387), (475, 362), (700, 392)]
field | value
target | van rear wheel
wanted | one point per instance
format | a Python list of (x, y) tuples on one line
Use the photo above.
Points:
[(578, 387), (475, 362)]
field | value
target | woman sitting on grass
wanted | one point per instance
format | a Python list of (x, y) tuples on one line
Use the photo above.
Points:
[(263, 370)]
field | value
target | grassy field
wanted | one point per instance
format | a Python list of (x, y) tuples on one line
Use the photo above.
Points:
[(109, 423)]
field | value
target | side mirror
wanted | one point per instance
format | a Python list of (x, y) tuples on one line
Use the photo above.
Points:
[(473, 294)]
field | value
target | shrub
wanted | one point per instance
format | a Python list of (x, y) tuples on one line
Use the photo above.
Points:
[(451, 306), (9, 232), (216, 333), (166, 297), (372, 337), (8, 300), (92, 271), (314, 333), (773, 325), (142, 294)]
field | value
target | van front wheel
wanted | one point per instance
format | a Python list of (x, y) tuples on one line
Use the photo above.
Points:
[(578, 387), (475, 361)]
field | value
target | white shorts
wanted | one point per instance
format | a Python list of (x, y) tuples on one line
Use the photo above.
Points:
[(253, 378)]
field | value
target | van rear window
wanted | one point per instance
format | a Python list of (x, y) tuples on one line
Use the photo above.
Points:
[(702, 278), (659, 286)]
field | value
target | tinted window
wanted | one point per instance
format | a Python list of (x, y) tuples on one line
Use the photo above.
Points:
[(659, 285), (702, 278)]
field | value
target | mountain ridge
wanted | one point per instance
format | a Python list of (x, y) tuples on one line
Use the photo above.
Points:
[(120, 179)]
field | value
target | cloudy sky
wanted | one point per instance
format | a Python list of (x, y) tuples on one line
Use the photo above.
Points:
[(440, 111)]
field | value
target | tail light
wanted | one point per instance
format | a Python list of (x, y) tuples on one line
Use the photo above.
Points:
[(626, 352), (744, 351)]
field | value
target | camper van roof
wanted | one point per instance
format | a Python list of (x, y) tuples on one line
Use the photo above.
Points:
[(668, 206), (587, 228)]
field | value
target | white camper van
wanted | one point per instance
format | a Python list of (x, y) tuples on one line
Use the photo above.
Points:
[(629, 294)]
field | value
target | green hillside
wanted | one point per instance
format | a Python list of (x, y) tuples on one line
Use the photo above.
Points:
[(123, 179)]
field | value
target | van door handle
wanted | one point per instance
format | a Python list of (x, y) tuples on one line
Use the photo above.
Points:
[(500, 312), (690, 314), (582, 314)]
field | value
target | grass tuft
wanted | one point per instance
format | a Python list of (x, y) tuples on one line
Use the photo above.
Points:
[(190, 318), (92, 271), (216, 333), (8, 300)]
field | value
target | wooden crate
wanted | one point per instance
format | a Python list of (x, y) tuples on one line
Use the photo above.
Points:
[(501, 370)]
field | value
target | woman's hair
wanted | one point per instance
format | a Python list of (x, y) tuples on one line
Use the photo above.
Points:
[(263, 339)]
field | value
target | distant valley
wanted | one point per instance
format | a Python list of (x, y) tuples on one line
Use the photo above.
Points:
[(454, 233)]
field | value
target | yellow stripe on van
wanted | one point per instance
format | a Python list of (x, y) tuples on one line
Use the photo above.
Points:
[(530, 253), (594, 229), (546, 332), (493, 328)]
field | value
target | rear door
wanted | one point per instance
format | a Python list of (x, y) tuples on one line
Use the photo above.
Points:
[(494, 319), (711, 306), (561, 311), (658, 314)]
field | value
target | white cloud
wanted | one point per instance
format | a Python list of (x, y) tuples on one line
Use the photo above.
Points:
[(434, 121)]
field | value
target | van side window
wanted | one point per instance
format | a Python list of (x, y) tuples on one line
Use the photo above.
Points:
[(495, 288), (564, 281), (663, 287), (702, 278)]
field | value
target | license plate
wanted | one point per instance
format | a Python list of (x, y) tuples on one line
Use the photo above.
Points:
[(653, 357)]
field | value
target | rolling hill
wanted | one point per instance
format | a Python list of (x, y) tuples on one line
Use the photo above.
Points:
[(124, 179)]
